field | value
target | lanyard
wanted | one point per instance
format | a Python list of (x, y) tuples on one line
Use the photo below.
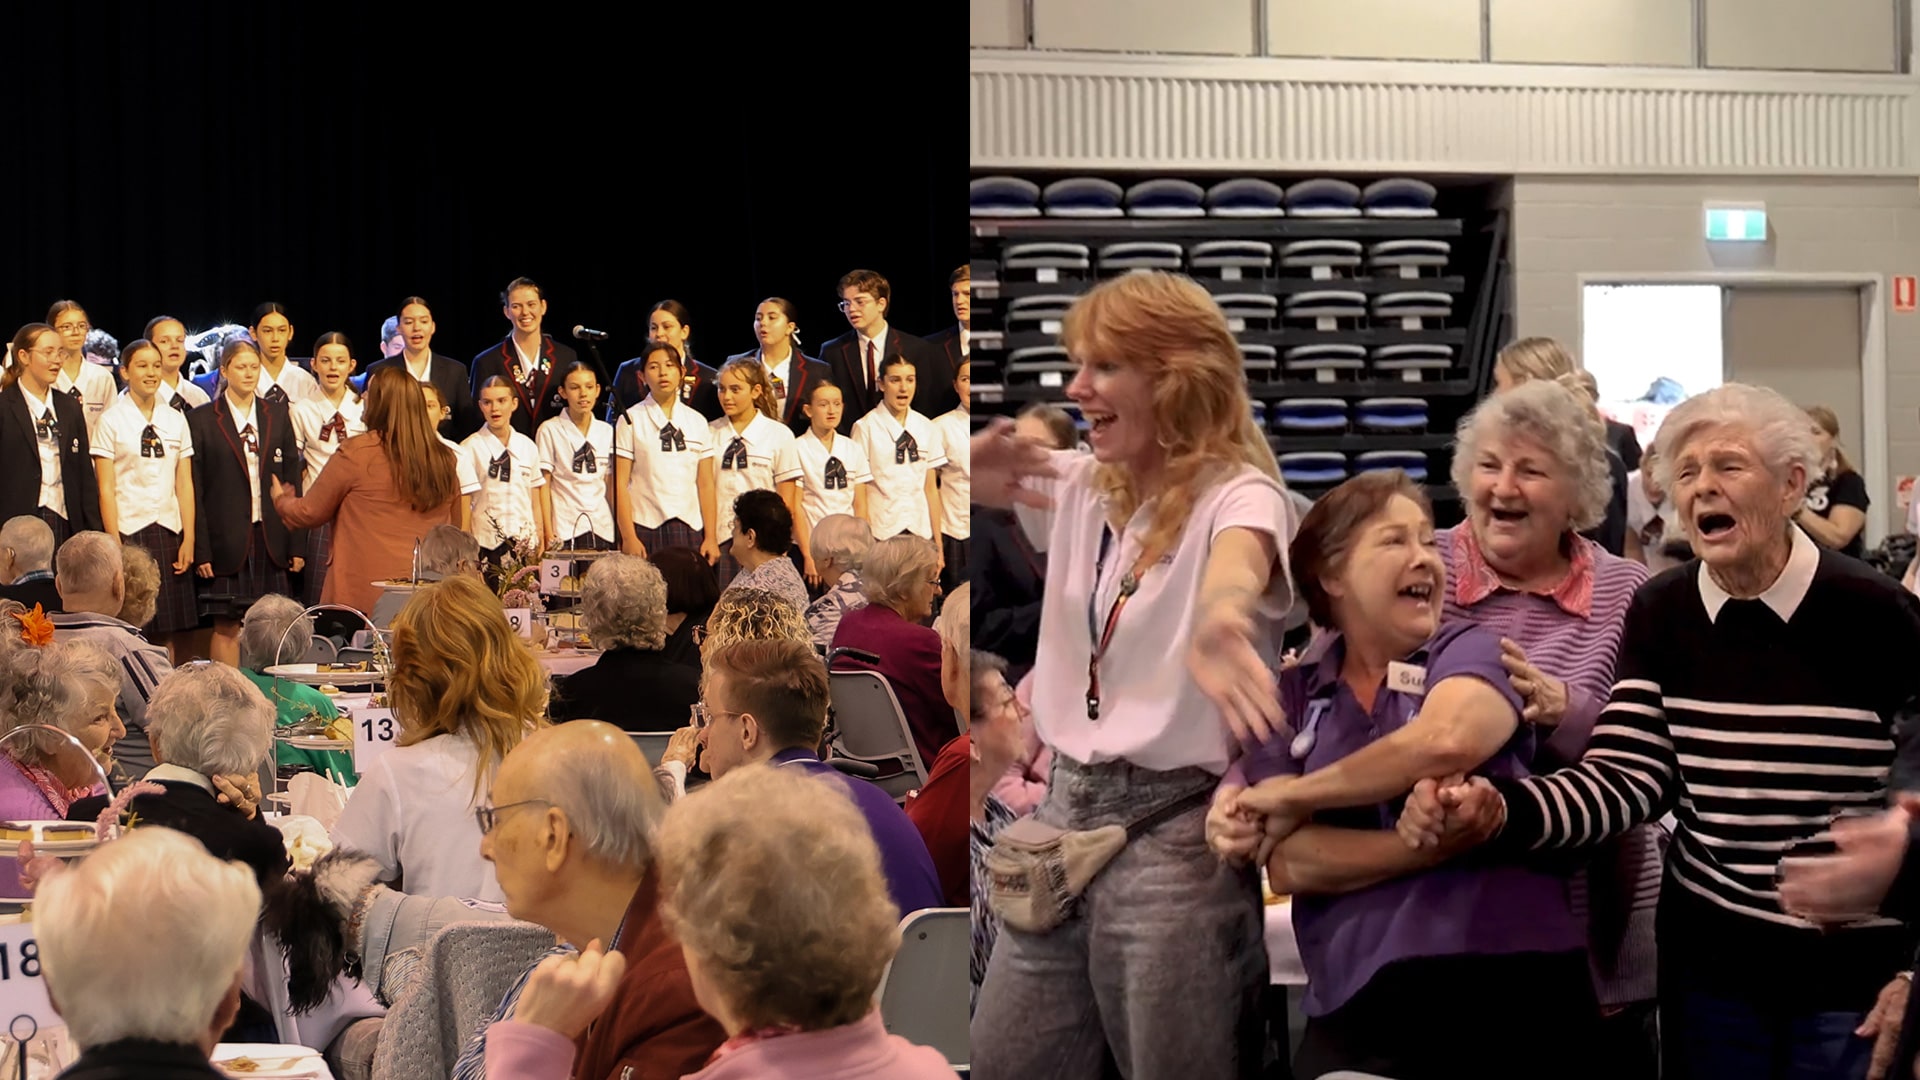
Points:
[(1103, 636)]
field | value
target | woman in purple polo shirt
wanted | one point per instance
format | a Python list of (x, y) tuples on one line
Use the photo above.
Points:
[(1392, 937)]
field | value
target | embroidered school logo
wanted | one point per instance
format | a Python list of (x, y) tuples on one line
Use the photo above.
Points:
[(276, 455)]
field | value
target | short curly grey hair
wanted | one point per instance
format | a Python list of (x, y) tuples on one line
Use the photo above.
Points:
[(1779, 430), (840, 540), (1563, 423), (210, 718), (894, 566), (266, 626), (62, 685), (623, 601)]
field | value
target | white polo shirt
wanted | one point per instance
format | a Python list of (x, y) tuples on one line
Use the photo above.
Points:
[(319, 438), (665, 483), (144, 472), (897, 502), (955, 487), (578, 465), (53, 493), (763, 439), (504, 499), (805, 461), (97, 386), (1152, 713), (295, 381)]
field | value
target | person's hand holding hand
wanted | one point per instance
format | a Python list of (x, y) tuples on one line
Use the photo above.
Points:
[(1233, 835), (565, 993), (242, 792)]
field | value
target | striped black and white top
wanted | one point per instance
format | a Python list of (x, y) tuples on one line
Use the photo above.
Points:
[(1756, 722)]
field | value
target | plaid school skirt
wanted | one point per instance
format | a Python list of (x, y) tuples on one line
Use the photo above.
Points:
[(674, 534), (176, 608), (957, 554), (228, 596), (587, 541), (319, 552)]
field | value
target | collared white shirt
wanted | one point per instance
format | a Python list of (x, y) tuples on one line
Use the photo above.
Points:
[(143, 482), (504, 510), (665, 483), (252, 454), (462, 467), (966, 339), (764, 438), (805, 461), (294, 381), (97, 390), (897, 502), (578, 466), (955, 482), (1787, 590), (879, 355), (53, 493), (777, 376), (313, 416), (185, 388), (421, 373)]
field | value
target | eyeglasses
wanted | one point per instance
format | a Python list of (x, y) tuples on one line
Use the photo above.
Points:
[(70, 327), (703, 716), (860, 302), (485, 814)]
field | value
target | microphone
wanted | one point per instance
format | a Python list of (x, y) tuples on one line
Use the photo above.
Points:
[(586, 334)]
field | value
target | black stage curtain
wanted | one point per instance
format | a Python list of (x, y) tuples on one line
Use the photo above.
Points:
[(198, 159)]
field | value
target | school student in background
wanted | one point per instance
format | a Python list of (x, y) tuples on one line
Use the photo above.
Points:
[(143, 459), (792, 373), (449, 376), (506, 508), (576, 454), (822, 472), (242, 548), (334, 414), (465, 475), (281, 379), (529, 358), (955, 436), (663, 467), (169, 336), (668, 323), (904, 450), (43, 440), (747, 440), (92, 384)]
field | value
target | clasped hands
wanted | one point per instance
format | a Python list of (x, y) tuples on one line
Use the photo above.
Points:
[(1443, 817)]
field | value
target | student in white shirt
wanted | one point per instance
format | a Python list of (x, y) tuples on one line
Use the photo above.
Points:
[(506, 509), (467, 476), (576, 453), (322, 422), (281, 379), (822, 472), (903, 450), (663, 466), (747, 440), (955, 429), (169, 336), (96, 385), (142, 452)]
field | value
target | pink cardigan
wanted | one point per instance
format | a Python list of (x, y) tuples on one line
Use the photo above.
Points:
[(861, 1051)]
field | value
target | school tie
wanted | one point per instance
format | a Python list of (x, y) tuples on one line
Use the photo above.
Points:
[(584, 459), (334, 429), (150, 446), (48, 427), (252, 443), (275, 393), (905, 449), (671, 438), (736, 455), (75, 391), (179, 402), (836, 476), (501, 467), (873, 373)]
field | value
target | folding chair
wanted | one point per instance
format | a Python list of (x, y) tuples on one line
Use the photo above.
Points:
[(923, 994)]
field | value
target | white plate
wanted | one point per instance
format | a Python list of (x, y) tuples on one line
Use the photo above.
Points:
[(10, 848), (316, 742), (402, 585), (318, 675), (288, 1061)]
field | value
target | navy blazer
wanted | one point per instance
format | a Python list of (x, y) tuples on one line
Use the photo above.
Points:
[(449, 376), (222, 515), (544, 402), (20, 447), (810, 373), (933, 393), (629, 389)]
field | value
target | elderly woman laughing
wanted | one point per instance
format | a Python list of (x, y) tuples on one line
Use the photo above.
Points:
[(1756, 694)]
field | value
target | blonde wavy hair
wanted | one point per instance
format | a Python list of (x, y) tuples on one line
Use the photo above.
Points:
[(458, 669), (1533, 358), (745, 613), (771, 878), (1829, 422), (1169, 327)]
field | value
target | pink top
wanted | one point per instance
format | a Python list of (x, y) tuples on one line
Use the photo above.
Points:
[(853, 1052)]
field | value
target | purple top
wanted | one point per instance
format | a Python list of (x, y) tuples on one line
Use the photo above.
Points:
[(20, 800), (912, 880), (1465, 907)]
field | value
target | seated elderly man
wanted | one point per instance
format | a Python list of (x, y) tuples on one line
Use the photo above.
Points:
[(444, 552), (143, 945), (776, 895), (26, 563), (840, 544), (274, 623), (623, 604), (766, 701), (92, 591), (569, 830)]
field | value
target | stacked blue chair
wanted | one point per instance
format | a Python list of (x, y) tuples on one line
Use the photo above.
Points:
[(1259, 415), (1327, 308), (1231, 260), (1141, 255), (1324, 198), (1246, 197), (1003, 197), (1049, 260), (1166, 199), (1411, 462), (1313, 468), (1325, 362), (1399, 197), (1392, 414), (1318, 416), (1083, 197), (1413, 363)]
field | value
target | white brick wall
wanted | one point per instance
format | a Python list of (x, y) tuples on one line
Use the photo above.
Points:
[(1564, 228)]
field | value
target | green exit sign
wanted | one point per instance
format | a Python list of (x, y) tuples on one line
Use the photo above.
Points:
[(1737, 223)]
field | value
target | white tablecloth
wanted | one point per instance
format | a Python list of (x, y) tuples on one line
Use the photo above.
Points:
[(1283, 949)]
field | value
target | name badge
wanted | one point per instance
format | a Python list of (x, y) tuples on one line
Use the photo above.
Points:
[(1407, 678)]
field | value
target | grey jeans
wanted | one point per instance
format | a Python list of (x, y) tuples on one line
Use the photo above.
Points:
[(1161, 972)]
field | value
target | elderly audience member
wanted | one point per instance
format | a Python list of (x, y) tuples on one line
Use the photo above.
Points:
[(692, 590), (142, 597), (840, 544), (92, 591), (444, 552), (623, 606), (901, 577), (776, 899), (1382, 926), (1546, 360), (762, 535), (26, 563), (939, 808), (274, 632), (143, 945), (570, 830), (997, 723), (1835, 513), (751, 615), (1727, 710), (465, 691), (67, 685), (766, 701)]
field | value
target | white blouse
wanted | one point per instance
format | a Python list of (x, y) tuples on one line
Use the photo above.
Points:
[(577, 467), (898, 501), (749, 468), (144, 471), (413, 814), (665, 480), (807, 461), (319, 438), (503, 510)]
